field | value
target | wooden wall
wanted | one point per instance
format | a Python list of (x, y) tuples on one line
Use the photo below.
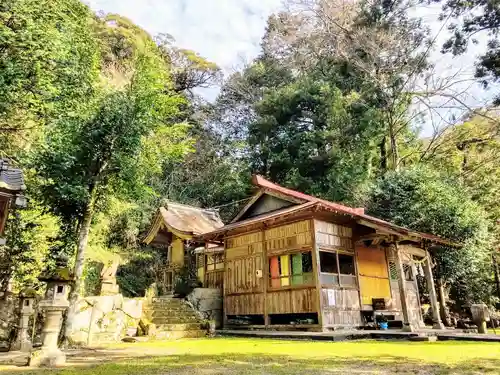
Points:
[(412, 294), (291, 301), (246, 276), (341, 307), (373, 274), (177, 252), (288, 237), (243, 276), (330, 235), (214, 279)]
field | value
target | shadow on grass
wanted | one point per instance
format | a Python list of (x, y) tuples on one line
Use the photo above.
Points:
[(233, 364)]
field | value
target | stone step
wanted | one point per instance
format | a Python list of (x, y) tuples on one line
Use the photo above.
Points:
[(169, 309), (174, 320), (168, 303), (180, 327), (169, 312), (175, 335)]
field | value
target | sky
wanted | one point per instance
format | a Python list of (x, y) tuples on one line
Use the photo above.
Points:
[(228, 32), (223, 31)]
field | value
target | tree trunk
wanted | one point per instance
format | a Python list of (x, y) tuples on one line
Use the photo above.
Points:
[(496, 272), (445, 318), (394, 148), (83, 236), (383, 155)]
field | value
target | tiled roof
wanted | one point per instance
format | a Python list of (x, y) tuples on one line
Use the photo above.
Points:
[(11, 179), (358, 213), (309, 202)]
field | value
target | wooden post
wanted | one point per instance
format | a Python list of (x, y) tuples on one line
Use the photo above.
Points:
[(316, 271), (224, 285), (407, 326), (436, 318), (265, 276)]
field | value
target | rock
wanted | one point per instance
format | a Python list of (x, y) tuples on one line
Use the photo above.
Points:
[(129, 339)]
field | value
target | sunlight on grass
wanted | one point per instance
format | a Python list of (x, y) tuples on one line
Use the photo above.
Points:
[(233, 356)]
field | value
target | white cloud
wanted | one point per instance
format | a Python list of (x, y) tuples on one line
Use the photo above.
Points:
[(229, 31), (220, 30)]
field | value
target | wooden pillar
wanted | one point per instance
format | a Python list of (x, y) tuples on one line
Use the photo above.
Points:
[(316, 272), (407, 326), (436, 318), (265, 275), (224, 284)]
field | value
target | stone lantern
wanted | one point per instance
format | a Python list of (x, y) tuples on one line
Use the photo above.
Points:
[(27, 302), (54, 304)]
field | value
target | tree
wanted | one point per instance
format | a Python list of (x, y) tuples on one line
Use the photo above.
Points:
[(49, 65), (474, 18), (427, 201), (93, 157)]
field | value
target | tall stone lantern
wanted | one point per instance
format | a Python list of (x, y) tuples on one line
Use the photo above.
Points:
[(54, 304)]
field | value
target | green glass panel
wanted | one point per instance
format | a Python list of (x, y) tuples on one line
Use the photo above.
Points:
[(297, 278)]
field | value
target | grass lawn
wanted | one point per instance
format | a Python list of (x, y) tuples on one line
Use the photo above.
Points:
[(234, 356)]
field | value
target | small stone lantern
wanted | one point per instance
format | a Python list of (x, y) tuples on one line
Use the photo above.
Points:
[(480, 315), (27, 302), (54, 304)]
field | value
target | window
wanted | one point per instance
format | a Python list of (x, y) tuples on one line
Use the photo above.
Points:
[(337, 269), (328, 262), (346, 264), (393, 272), (60, 289), (408, 272), (290, 269), (215, 261)]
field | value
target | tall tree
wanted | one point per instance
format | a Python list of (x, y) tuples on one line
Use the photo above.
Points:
[(92, 157), (49, 65), (475, 19), (425, 200)]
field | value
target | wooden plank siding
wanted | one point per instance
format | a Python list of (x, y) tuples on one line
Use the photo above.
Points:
[(373, 274), (214, 279), (292, 301), (341, 307), (246, 288), (245, 304)]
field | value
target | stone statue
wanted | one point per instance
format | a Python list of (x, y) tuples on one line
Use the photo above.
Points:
[(108, 279)]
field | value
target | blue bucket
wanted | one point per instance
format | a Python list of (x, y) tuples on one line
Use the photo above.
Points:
[(383, 325)]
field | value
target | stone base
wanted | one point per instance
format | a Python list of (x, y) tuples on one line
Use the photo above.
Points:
[(408, 328), (439, 325), (47, 358), (109, 289)]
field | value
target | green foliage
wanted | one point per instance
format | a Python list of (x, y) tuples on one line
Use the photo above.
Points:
[(139, 273), (48, 66), (92, 278), (424, 200), (311, 136), (186, 280), (30, 234)]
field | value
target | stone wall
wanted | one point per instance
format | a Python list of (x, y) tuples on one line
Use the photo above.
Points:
[(9, 318), (208, 302), (104, 319)]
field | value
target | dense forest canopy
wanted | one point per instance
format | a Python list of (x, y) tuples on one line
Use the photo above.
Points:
[(106, 121)]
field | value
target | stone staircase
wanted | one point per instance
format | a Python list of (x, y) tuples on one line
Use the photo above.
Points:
[(174, 319)]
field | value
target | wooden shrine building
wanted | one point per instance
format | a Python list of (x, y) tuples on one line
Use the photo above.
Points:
[(11, 192), (293, 260), (173, 229)]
